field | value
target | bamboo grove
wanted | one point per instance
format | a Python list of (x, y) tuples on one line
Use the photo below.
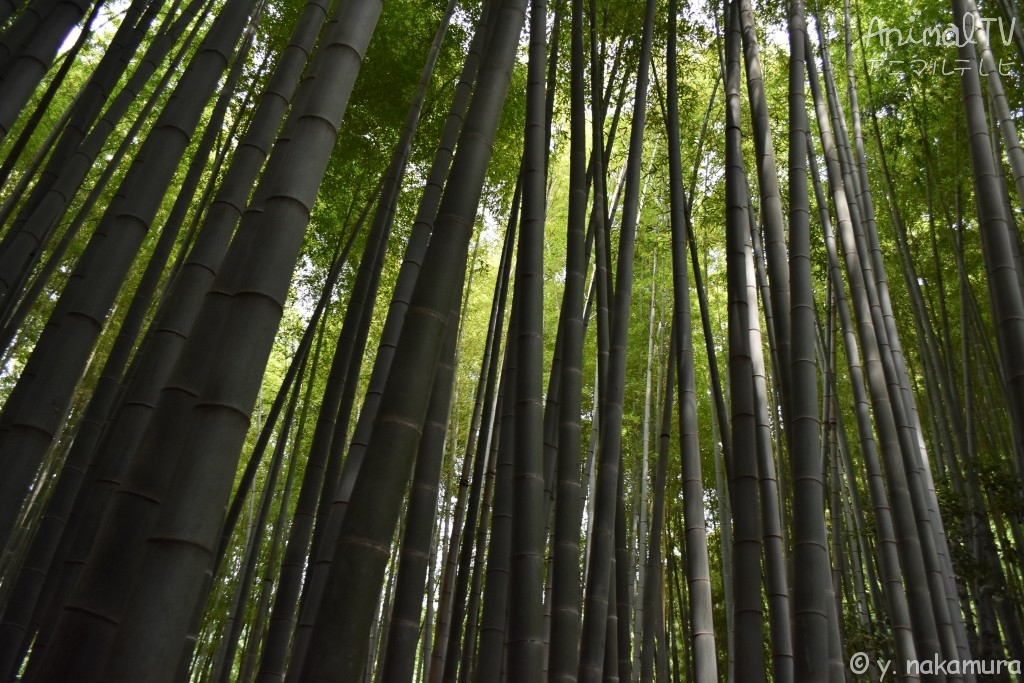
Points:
[(563, 340)]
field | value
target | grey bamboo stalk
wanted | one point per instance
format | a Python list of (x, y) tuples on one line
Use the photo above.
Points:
[(465, 668), (334, 410), (25, 70), (448, 656), (356, 328), (114, 368), (248, 475), (98, 277), (698, 278), (338, 492), (229, 644), (768, 182), (64, 173), (594, 644), (404, 624), (361, 300), (82, 112), (451, 610), (726, 547), (601, 258), (247, 298), (860, 246), (772, 529), (169, 330), (408, 274), (173, 321), (464, 521), (748, 616), (953, 616), (811, 566), (1007, 126), (565, 622), (32, 125), (698, 573), (489, 655), (641, 490), (373, 510), (918, 621), (247, 670), (21, 30), (996, 239), (654, 595), (526, 561)]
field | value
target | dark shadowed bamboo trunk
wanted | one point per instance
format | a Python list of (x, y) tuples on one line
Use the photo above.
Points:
[(447, 668), (63, 351), (218, 375), (77, 151), (69, 58), (229, 645), (103, 398), (811, 569), (22, 71), (565, 623), (746, 550), (526, 561), (418, 534)]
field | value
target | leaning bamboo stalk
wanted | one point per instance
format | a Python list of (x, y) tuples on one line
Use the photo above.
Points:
[(372, 512), (216, 382)]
